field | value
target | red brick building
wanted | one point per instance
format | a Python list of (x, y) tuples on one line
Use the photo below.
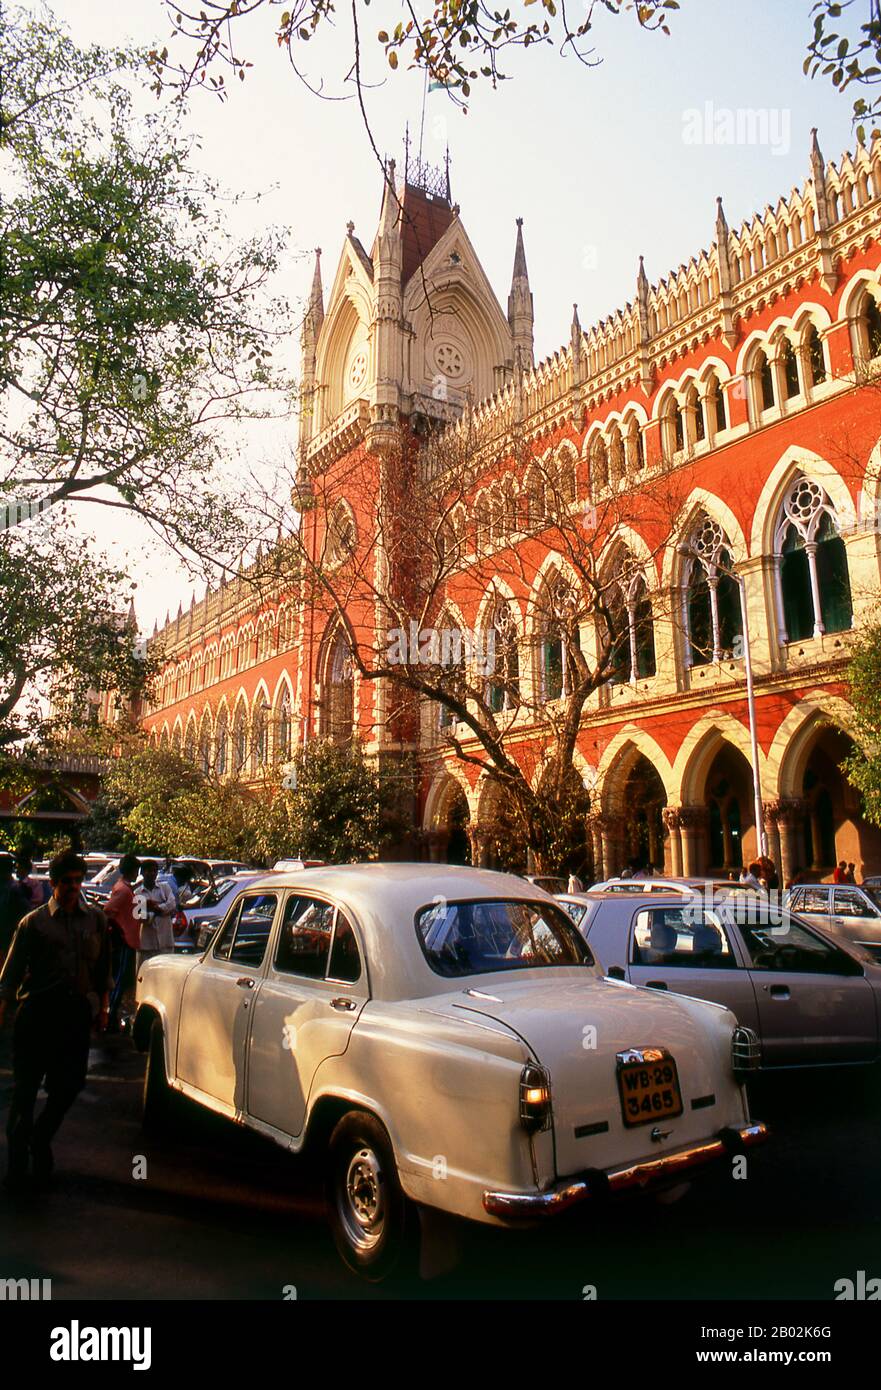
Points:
[(745, 379)]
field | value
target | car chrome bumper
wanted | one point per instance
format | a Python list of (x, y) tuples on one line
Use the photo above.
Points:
[(646, 1173)]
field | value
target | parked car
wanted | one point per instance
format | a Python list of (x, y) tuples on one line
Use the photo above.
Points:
[(851, 912), (205, 916), (702, 886), (810, 1000), (446, 1038), (551, 883)]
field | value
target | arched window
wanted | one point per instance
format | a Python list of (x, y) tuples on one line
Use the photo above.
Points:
[(337, 689), (204, 756), (176, 740), (260, 734), (712, 614), (503, 660), (632, 635), (558, 637), (599, 464), (715, 418), (869, 322), (616, 455), (695, 416), (283, 729), (813, 580), (221, 751), (239, 740), (764, 376), (481, 526), (672, 428), (339, 541), (813, 351), (190, 742), (635, 447), (789, 368)]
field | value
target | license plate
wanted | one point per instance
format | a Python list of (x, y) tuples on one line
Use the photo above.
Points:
[(649, 1085)]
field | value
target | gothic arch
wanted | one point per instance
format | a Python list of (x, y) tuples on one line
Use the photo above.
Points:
[(618, 758), (700, 746), (701, 500), (792, 743), (796, 459)]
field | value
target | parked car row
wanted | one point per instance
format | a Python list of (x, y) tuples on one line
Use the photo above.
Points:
[(449, 1039), (813, 997)]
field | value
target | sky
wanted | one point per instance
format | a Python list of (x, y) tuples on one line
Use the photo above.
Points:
[(602, 163)]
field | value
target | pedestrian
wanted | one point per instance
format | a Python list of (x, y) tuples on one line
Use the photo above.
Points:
[(840, 874), (13, 904), (851, 873), (158, 908), (58, 969), (32, 890), (750, 875), (126, 931), (769, 872)]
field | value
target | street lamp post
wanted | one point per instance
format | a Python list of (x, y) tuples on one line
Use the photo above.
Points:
[(758, 809)]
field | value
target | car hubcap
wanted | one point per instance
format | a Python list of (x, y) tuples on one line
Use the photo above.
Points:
[(361, 1200)]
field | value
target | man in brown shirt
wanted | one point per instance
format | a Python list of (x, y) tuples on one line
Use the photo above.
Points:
[(58, 969)]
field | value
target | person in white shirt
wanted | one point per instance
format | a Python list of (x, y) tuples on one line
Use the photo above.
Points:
[(158, 906)]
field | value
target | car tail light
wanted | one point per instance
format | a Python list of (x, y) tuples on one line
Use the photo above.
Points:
[(535, 1098), (746, 1052)]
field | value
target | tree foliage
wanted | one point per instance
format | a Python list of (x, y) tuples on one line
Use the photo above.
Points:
[(132, 328), (863, 764), (64, 632), (156, 801), (457, 43), (846, 48), (340, 808)]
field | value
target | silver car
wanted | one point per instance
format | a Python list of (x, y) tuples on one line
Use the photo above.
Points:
[(846, 910), (810, 1000)]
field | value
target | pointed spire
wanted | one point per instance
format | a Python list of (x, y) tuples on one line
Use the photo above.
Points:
[(520, 254), (155, 627), (818, 172), (389, 213), (642, 285), (520, 307), (721, 221), (315, 312)]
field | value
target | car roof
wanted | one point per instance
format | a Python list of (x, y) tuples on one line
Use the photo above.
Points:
[(384, 898)]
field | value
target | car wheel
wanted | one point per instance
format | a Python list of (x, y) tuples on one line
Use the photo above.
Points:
[(374, 1226), (158, 1097)]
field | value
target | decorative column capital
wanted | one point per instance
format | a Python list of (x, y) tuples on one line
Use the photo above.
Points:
[(784, 811)]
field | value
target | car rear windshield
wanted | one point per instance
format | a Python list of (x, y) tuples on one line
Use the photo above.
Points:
[(476, 938)]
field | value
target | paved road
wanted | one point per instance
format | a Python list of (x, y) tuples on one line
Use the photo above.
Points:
[(223, 1214)]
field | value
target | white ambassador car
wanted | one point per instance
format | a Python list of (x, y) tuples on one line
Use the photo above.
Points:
[(446, 1038)]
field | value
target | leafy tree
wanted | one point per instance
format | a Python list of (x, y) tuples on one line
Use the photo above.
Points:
[(132, 328), (846, 47), (456, 44), (64, 625), (338, 806), (131, 324), (863, 765)]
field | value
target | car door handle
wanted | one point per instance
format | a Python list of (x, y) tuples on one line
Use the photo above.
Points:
[(656, 984), (778, 991), (344, 1005), (245, 982)]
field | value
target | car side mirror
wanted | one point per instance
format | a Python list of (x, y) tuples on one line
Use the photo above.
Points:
[(616, 972)]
